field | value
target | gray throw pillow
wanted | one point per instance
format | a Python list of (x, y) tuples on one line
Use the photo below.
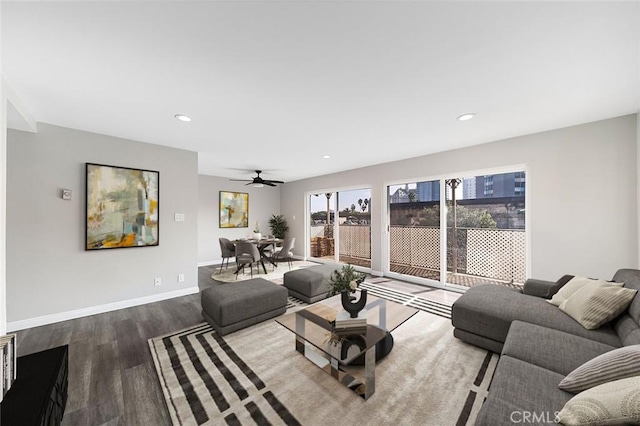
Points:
[(612, 403), (617, 364)]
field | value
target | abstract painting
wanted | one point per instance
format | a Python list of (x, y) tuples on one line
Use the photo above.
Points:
[(122, 207), (234, 209)]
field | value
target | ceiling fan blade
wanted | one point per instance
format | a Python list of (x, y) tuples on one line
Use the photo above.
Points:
[(257, 180)]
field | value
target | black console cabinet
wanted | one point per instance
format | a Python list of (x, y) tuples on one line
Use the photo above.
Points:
[(39, 394)]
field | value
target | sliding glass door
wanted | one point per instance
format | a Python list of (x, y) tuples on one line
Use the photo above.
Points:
[(486, 240), (354, 229), (340, 227), (414, 229), (480, 237), (321, 226)]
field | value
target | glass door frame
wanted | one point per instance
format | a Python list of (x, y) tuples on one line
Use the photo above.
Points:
[(386, 243), (307, 227), (336, 227)]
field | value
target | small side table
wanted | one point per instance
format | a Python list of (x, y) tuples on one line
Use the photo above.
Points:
[(39, 394)]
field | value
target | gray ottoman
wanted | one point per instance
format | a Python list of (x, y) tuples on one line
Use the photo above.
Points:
[(310, 284), (230, 307)]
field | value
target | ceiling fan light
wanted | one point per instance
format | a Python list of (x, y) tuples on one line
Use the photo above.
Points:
[(257, 185)]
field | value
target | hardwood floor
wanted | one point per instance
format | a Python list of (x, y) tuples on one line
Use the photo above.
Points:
[(112, 379)]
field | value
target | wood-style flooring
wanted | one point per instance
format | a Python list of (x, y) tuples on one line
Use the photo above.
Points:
[(112, 379)]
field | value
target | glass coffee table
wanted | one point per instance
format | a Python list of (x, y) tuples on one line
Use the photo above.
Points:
[(334, 352)]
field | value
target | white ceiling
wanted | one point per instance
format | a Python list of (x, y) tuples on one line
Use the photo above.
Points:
[(276, 85)]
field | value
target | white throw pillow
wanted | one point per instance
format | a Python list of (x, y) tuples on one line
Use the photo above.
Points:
[(612, 403), (575, 284), (594, 304)]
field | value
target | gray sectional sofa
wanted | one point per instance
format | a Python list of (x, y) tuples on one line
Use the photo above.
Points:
[(539, 345)]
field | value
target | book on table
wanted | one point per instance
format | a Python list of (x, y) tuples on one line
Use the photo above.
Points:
[(350, 331), (344, 322)]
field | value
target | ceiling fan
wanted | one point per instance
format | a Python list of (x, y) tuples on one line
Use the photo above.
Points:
[(257, 181)]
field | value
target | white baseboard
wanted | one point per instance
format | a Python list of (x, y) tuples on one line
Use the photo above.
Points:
[(209, 263), (377, 273), (93, 310)]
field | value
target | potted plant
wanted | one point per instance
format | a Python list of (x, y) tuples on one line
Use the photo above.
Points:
[(256, 232), (347, 279), (278, 225), (345, 282)]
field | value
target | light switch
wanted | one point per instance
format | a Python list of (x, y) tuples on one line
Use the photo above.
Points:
[(179, 217)]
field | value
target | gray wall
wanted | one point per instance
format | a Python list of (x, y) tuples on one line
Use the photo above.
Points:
[(48, 271), (263, 202), (581, 185)]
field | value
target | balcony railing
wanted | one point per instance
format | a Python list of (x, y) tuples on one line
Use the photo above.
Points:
[(496, 254), (491, 254)]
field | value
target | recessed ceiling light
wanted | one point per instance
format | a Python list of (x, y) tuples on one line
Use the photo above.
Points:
[(326, 156), (182, 117), (467, 116)]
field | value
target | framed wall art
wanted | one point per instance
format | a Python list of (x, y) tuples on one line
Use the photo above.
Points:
[(234, 209), (122, 207)]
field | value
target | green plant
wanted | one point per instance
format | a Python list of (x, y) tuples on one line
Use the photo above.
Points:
[(278, 225), (346, 279), (256, 228)]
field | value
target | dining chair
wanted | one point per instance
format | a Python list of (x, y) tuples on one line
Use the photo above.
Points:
[(268, 249), (247, 253), (285, 252), (228, 250)]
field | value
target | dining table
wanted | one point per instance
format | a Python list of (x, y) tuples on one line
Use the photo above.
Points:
[(262, 245)]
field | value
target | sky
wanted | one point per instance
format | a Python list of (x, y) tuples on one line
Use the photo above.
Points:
[(347, 198)]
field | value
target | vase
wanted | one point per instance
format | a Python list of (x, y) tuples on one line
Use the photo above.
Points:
[(257, 236), (353, 307)]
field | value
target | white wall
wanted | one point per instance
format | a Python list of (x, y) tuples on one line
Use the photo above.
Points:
[(49, 274), (263, 202), (3, 181), (581, 184)]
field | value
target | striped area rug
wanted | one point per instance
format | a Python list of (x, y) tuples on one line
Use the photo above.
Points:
[(408, 299), (206, 376), (255, 376)]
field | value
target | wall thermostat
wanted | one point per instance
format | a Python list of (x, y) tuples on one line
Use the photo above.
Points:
[(66, 194)]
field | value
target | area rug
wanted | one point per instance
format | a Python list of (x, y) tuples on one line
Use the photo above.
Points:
[(228, 275), (276, 276), (408, 299), (255, 376)]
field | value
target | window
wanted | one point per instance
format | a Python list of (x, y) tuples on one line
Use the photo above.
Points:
[(484, 230), (340, 226)]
